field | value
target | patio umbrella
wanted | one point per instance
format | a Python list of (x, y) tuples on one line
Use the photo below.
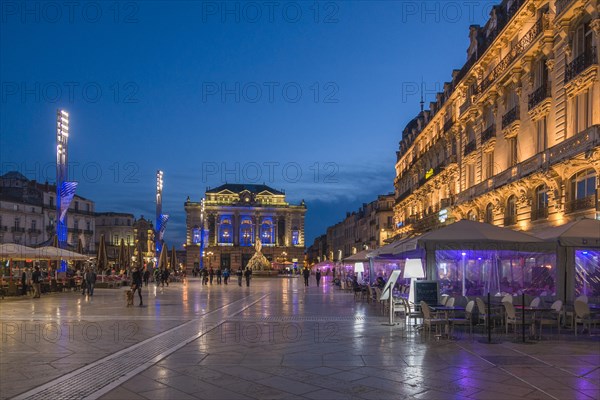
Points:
[(122, 256), (139, 257), (54, 241), (102, 258), (163, 262), (12, 252), (173, 260)]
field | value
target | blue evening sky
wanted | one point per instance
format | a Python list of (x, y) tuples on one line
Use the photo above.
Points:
[(309, 97)]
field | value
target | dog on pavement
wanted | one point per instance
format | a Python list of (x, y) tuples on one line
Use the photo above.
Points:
[(129, 297)]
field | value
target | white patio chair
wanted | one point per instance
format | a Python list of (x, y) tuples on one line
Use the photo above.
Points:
[(583, 316), (552, 319)]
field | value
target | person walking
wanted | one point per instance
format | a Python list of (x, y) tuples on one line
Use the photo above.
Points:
[(146, 276), (211, 274), (306, 274), (218, 273), (204, 275), (136, 285), (225, 275), (36, 278), (248, 275), (24, 283), (90, 280), (156, 275), (165, 276), (239, 274), (318, 276)]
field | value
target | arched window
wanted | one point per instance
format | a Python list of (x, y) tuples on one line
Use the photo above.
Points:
[(196, 235), (295, 236), (540, 203), (582, 190), (472, 216), (246, 232), (510, 216), (489, 214), (225, 230), (267, 234)]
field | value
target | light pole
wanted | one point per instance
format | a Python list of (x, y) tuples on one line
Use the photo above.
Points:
[(209, 254)]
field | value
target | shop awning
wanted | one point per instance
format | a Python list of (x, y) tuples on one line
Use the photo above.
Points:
[(582, 233), (15, 251), (473, 235)]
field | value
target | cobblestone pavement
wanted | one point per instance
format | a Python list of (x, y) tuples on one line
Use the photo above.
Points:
[(274, 340)]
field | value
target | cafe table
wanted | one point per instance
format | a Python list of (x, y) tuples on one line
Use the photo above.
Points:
[(534, 311)]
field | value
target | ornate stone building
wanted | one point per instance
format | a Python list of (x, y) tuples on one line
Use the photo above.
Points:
[(28, 214), (115, 227), (514, 139), (233, 217)]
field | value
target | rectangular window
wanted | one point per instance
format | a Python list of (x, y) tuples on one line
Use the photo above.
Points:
[(17, 222), (33, 224), (512, 152), (542, 143), (76, 205), (489, 164), (470, 175)]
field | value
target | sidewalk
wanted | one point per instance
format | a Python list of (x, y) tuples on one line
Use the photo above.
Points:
[(274, 340)]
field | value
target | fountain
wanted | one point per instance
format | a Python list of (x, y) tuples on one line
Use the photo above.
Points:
[(258, 262)]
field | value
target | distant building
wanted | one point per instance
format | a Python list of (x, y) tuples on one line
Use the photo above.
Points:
[(28, 214), (367, 228), (143, 232), (235, 215), (115, 227)]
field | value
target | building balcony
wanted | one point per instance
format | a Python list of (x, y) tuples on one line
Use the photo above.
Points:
[(470, 147), (3, 228), (538, 95), (448, 125), (510, 117), (510, 220), (582, 204), (16, 229), (580, 64), (515, 52), (88, 232), (488, 133), (33, 231), (465, 106), (74, 230), (540, 213)]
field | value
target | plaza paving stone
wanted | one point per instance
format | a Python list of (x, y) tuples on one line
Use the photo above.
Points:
[(274, 340)]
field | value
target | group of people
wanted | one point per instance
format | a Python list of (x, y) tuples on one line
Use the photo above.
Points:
[(306, 275), (208, 276), (222, 276)]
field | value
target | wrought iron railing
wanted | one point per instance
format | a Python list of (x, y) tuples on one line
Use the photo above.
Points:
[(510, 220), (584, 203), (17, 229), (34, 231), (539, 213), (517, 51), (540, 94), (510, 117), (448, 125), (580, 63), (488, 133), (470, 147)]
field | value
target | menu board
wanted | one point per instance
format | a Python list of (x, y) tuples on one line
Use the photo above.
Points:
[(426, 291)]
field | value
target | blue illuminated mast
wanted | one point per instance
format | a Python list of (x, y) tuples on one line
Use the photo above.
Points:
[(65, 190), (161, 219)]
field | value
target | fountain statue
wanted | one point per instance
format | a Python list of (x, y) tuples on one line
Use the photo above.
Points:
[(258, 262)]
